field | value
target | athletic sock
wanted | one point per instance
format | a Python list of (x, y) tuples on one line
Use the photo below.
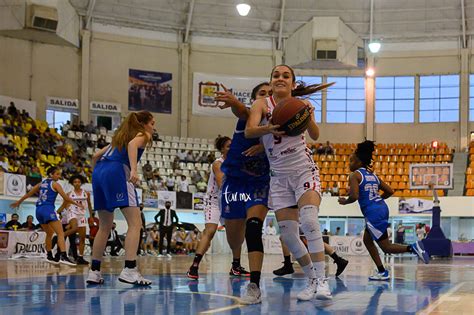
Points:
[(381, 268), (409, 249), (255, 277), (319, 269), (63, 254), (287, 260), (309, 271), (236, 263), (197, 261), (95, 265), (50, 254), (130, 264), (334, 256)]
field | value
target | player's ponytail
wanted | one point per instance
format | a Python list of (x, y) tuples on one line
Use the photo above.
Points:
[(130, 127), (364, 153), (302, 89)]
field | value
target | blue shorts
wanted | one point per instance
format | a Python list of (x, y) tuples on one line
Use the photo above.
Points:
[(46, 214), (238, 195), (111, 188), (376, 221)]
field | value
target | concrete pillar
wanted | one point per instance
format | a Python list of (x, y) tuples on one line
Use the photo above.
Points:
[(463, 138), (85, 76), (370, 101), (184, 101)]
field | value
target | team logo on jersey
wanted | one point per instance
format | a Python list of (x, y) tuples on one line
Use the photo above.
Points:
[(119, 197), (235, 196)]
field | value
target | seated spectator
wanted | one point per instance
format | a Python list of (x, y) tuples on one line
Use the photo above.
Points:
[(147, 171), (325, 232), (13, 224), (181, 155), (211, 157), (335, 189), (29, 225), (90, 128), (196, 176), (155, 136), (183, 184), (190, 157), (12, 111), (114, 241), (327, 192), (101, 142), (325, 149), (175, 164), (201, 186), (170, 183), (270, 229)]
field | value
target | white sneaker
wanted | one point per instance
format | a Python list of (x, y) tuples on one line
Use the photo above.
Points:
[(322, 290), (380, 276), (168, 255), (308, 293), (252, 295), (94, 277), (132, 276), (161, 256)]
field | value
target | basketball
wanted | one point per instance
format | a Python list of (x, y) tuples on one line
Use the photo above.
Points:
[(293, 115)]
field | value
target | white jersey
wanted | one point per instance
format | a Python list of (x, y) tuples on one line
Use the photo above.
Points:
[(81, 199), (212, 187), (285, 154)]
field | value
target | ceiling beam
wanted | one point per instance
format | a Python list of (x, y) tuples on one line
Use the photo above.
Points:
[(90, 9), (188, 23), (280, 31), (463, 21)]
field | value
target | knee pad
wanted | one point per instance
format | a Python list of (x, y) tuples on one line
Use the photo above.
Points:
[(253, 235), (289, 232), (311, 228)]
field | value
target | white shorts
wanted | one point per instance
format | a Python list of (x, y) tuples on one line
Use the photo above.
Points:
[(212, 211), (81, 219), (287, 189)]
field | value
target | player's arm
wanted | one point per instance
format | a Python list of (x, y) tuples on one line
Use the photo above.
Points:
[(63, 206), (387, 190), (313, 129), (354, 180), (96, 157), (29, 194), (253, 128), (132, 149), (229, 99), (89, 204), (216, 168), (66, 198)]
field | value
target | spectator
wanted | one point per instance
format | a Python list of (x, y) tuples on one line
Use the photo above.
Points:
[(325, 232), (270, 229), (90, 128), (183, 184), (12, 111), (400, 237), (325, 149), (327, 192), (420, 231), (114, 241), (167, 219), (201, 186), (101, 142), (190, 157), (338, 231), (156, 136), (196, 176), (34, 172), (147, 171), (151, 238), (28, 225), (181, 155), (13, 224), (335, 189), (175, 164), (170, 183)]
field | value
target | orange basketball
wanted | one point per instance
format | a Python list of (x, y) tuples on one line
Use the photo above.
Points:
[(293, 115)]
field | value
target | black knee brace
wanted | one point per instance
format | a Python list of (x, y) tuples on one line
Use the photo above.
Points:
[(253, 235)]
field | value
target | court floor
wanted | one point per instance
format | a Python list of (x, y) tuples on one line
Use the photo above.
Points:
[(36, 287)]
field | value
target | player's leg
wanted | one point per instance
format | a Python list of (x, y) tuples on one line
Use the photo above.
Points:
[(381, 273), (340, 262), (235, 233), (58, 229), (82, 243), (48, 243), (287, 268)]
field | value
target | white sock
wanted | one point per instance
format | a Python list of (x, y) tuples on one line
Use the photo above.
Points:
[(309, 271), (319, 269)]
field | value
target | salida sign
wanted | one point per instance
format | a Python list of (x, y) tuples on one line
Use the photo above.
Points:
[(105, 107), (62, 102)]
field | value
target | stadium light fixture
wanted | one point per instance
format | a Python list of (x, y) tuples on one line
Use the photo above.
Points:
[(370, 72), (374, 47), (243, 9)]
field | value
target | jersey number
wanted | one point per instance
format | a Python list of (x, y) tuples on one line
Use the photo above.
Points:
[(373, 190), (277, 139)]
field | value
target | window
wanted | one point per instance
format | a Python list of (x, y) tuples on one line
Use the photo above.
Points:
[(315, 99), (439, 98), (346, 100), (471, 97), (56, 118), (395, 100)]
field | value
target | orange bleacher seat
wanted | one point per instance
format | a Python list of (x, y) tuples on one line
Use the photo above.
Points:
[(470, 171), (335, 178), (316, 157), (415, 193), (394, 185), (341, 164), (332, 164), (470, 192), (324, 185), (343, 178), (342, 192), (340, 171), (327, 177), (397, 178), (332, 170), (388, 178), (402, 185), (325, 164), (469, 184)]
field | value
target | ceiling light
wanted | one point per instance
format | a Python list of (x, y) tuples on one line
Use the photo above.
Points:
[(243, 9), (374, 47), (370, 72)]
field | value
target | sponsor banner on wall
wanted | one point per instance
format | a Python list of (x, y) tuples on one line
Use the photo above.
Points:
[(14, 185), (29, 106), (199, 201), (27, 244), (205, 85), (105, 107), (4, 244), (59, 102), (415, 205), (150, 203), (164, 196), (348, 245), (149, 90)]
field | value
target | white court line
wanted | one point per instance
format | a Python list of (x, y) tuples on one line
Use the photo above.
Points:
[(442, 298)]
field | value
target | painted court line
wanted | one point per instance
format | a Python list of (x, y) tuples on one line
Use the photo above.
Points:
[(441, 299)]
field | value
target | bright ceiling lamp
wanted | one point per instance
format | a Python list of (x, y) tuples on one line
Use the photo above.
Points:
[(370, 72), (374, 47), (243, 9)]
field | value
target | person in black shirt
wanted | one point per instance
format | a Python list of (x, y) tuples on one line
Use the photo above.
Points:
[(167, 220), (13, 224), (29, 225)]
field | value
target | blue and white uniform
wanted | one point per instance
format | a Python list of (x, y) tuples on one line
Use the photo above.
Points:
[(247, 179), (45, 205), (372, 205), (110, 181)]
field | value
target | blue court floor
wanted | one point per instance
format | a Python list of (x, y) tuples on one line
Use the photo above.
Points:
[(39, 288)]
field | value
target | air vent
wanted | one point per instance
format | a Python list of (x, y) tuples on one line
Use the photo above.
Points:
[(43, 18), (326, 54)]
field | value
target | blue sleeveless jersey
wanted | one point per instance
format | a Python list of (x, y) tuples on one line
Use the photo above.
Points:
[(239, 166), (47, 196), (369, 198), (119, 155)]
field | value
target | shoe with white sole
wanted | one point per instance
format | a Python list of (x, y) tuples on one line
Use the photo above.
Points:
[(132, 276), (94, 277), (308, 293), (252, 295), (322, 290), (66, 261), (419, 249), (380, 276)]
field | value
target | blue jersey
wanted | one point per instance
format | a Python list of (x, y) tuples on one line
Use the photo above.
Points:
[(47, 195), (369, 198), (119, 155), (240, 166)]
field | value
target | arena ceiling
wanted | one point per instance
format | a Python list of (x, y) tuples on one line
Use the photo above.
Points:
[(394, 20)]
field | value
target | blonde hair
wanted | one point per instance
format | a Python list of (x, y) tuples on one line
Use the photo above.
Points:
[(130, 128)]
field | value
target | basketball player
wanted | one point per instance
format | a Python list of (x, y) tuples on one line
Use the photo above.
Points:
[(48, 190), (212, 213), (294, 183), (76, 217), (364, 187), (113, 181)]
